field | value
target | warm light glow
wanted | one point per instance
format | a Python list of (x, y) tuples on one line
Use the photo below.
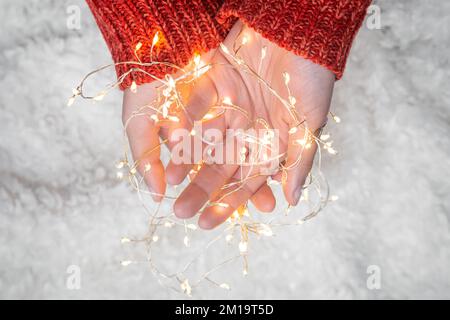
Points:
[(155, 38), (287, 78), (263, 52), (197, 59), (227, 101), (138, 46), (167, 103), (225, 286), (293, 130), (186, 241), (208, 116), (71, 101), (337, 119), (100, 96), (126, 263), (243, 247), (125, 240), (133, 87)]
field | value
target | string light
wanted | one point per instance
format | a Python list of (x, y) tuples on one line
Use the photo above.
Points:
[(241, 221)]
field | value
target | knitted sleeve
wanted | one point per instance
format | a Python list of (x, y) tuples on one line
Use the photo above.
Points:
[(319, 30), (183, 26)]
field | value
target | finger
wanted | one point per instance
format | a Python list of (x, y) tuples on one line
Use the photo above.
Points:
[(300, 158), (263, 199), (313, 97), (209, 179), (229, 200), (206, 182), (143, 138)]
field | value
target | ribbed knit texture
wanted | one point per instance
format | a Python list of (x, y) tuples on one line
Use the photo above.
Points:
[(185, 27), (319, 30)]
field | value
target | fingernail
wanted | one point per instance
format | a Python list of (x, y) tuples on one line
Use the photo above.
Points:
[(297, 194)]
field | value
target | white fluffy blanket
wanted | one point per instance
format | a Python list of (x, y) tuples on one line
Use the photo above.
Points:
[(61, 204)]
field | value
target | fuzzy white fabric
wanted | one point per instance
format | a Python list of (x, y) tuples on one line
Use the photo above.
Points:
[(61, 204)]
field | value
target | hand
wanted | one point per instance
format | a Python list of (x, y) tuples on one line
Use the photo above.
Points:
[(310, 84)]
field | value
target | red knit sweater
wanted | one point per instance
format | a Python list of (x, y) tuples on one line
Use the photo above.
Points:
[(319, 30)]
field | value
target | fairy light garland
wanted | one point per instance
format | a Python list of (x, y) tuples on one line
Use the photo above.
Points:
[(241, 221)]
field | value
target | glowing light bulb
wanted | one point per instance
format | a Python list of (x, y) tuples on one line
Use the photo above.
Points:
[(70, 101), (225, 286), (208, 116), (292, 100), (324, 137), (337, 119), (147, 167), (133, 87), (334, 198), (192, 226), (120, 164), (100, 96), (155, 38), (155, 238), (197, 59), (331, 150), (224, 48), (293, 130), (243, 247), (287, 78), (186, 241), (126, 263), (227, 101), (138, 46), (174, 118), (229, 237), (168, 224), (263, 52), (170, 82), (244, 40), (186, 287), (125, 240)]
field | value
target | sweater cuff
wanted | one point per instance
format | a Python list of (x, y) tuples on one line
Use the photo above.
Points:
[(183, 27), (319, 30)]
